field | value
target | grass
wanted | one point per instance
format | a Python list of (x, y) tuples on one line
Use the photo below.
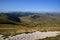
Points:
[(16, 29)]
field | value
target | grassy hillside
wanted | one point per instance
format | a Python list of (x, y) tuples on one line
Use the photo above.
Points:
[(15, 23)]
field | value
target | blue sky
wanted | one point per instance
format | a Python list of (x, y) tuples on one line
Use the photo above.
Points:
[(30, 5)]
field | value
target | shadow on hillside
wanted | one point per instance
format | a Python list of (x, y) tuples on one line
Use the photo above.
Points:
[(8, 23)]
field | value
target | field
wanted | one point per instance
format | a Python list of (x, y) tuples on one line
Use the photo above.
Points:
[(17, 29)]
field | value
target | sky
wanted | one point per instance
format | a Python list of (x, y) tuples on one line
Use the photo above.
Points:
[(30, 5)]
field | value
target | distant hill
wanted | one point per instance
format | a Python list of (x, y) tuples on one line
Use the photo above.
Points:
[(30, 19), (13, 17)]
